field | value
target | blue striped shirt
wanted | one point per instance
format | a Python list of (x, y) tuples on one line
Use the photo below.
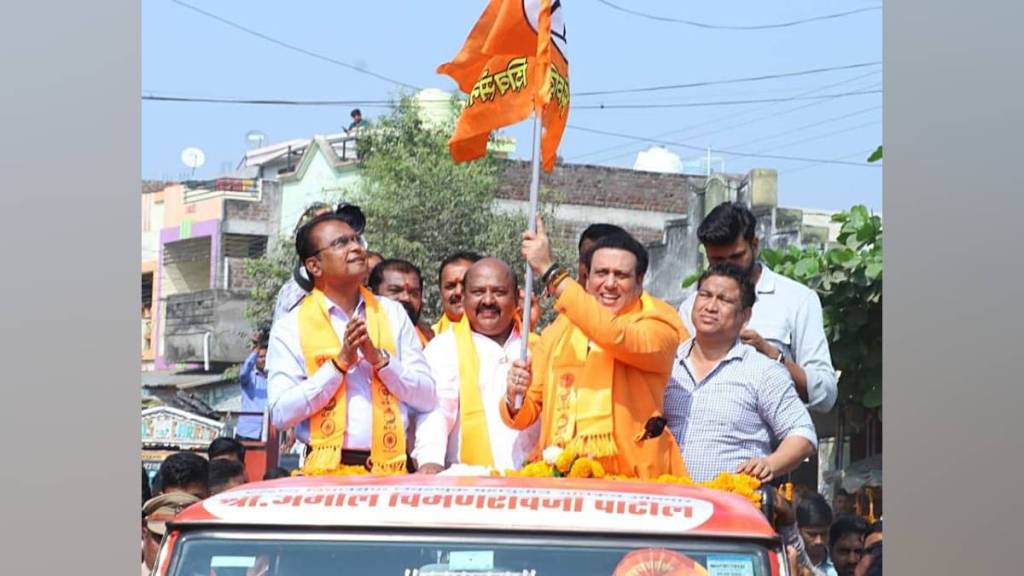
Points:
[(734, 413)]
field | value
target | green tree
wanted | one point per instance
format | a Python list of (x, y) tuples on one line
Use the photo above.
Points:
[(268, 272), (420, 206), (848, 279)]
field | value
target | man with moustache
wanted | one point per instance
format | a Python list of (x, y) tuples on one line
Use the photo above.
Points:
[(596, 379), (401, 281), (470, 363), (726, 402), (786, 324), (450, 276), (345, 367)]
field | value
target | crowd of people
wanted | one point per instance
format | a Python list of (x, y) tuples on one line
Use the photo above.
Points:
[(724, 383)]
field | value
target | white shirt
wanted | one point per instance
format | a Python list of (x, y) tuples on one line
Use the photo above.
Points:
[(442, 430), (293, 396), (788, 315)]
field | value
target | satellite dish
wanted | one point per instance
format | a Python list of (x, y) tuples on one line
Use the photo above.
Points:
[(255, 139), (193, 158)]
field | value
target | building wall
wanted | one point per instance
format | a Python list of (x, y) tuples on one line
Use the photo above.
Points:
[(152, 223), (195, 269), (320, 182)]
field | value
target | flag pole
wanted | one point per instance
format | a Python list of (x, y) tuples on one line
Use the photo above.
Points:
[(532, 226)]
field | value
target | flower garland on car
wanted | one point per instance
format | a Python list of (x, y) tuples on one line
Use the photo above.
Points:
[(560, 463)]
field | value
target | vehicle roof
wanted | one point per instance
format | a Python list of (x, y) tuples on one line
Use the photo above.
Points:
[(504, 504)]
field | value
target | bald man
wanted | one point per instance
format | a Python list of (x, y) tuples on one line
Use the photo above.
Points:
[(469, 364)]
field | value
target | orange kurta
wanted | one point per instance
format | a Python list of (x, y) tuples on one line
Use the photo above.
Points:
[(643, 345)]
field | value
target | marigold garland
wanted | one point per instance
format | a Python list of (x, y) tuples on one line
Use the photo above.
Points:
[(583, 467), (569, 464)]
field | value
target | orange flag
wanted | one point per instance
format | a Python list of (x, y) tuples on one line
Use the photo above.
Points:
[(513, 62)]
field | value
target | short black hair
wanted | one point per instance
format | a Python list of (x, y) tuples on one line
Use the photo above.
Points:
[(846, 524), (396, 264), (225, 445), (303, 238), (462, 255), (183, 469), (620, 241), (748, 293), (595, 232), (726, 223), (222, 471), (353, 113), (275, 473), (813, 510)]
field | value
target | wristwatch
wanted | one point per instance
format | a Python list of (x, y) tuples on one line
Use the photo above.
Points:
[(385, 359)]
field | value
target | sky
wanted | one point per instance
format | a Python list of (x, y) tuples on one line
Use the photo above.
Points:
[(185, 53)]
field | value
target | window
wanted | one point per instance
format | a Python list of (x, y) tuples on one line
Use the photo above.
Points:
[(494, 555)]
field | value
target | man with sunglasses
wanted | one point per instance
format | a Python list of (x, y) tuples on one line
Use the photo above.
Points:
[(345, 367)]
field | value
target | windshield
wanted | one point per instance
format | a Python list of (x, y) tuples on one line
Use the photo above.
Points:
[(478, 555)]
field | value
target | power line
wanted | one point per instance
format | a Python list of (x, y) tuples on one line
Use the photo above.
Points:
[(734, 125), (732, 27), (820, 136), (806, 126), (729, 81), (388, 103), (298, 49), (860, 154), (646, 106), (719, 151), (274, 102)]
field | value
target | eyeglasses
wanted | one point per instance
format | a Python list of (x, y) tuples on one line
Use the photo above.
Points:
[(343, 241)]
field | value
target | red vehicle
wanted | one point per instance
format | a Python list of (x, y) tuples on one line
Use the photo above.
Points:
[(429, 525)]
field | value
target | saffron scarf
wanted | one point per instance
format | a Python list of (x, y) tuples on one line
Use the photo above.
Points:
[(443, 324), (475, 443), (321, 344), (583, 375)]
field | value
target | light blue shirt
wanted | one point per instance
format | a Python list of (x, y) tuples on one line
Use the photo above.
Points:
[(294, 395), (827, 567), (254, 399), (734, 413), (788, 315)]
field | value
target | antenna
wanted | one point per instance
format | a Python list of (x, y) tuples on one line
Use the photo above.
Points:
[(193, 158), (255, 139)]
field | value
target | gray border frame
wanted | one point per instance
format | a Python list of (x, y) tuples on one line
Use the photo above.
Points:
[(70, 113), (953, 388)]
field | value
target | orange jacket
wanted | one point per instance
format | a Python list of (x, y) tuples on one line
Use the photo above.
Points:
[(644, 346)]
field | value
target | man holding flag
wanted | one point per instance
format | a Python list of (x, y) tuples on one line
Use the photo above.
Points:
[(469, 364), (597, 378)]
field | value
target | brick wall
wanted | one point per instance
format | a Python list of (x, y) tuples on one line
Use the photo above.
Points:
[(237, 277), (603, 186), (189, 316), (643, 202)]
